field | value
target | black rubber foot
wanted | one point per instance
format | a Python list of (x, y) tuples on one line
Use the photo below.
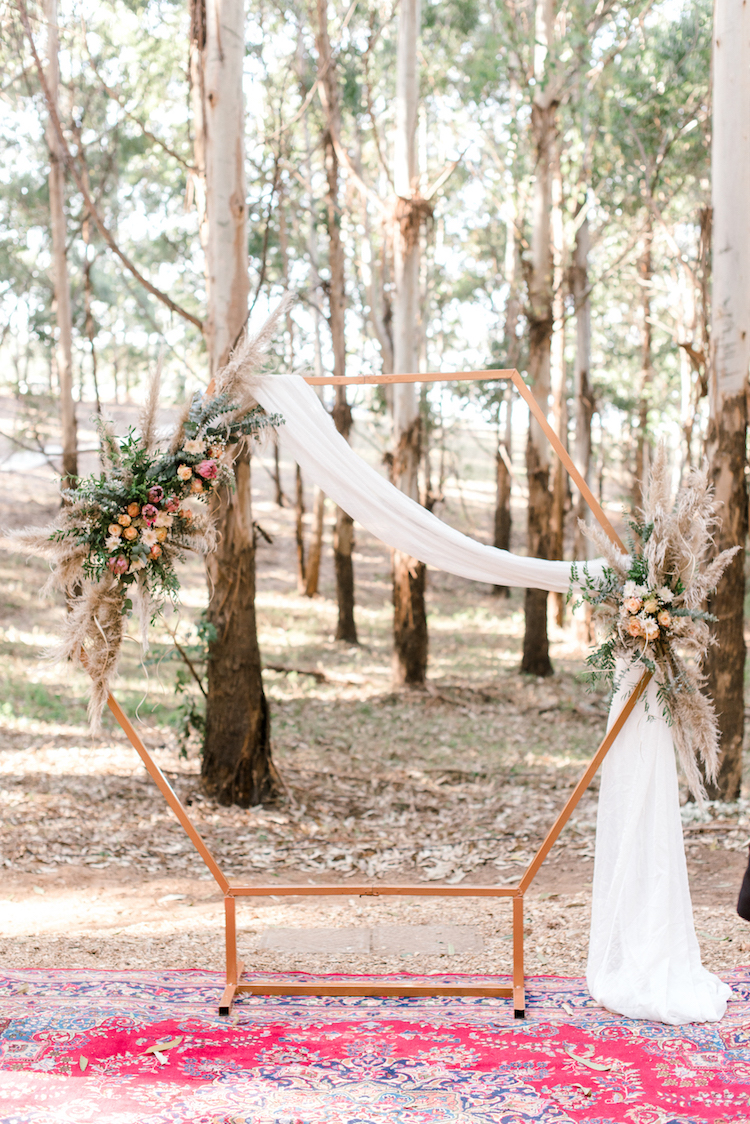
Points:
[(519, 1014), (223, 1010)]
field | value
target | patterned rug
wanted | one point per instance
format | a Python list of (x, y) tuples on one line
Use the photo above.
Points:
[(148, 1048)]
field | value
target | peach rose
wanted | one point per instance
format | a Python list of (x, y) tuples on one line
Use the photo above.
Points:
[(161, 533), (651, 605), (184, 472), (196, 486), (634, 627), (115, 529), (131, 534), (155, 550), (664, 618), (633, 605), (133, 510), (124, 520)]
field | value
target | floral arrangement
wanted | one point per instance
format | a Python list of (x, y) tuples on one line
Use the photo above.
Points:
[(649, 606), (119, 536), (132, 521)]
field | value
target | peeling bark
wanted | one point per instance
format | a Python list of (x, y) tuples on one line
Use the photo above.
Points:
[(409, 611), (237, 766)]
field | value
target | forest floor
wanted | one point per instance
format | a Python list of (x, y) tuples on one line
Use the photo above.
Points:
[(456, 783)]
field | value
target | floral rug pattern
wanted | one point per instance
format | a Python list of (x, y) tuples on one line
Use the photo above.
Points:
[(81, 1047)]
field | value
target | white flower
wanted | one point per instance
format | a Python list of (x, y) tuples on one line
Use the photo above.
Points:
[(628, 590), (113, 543), (163, 519), (137, 564), (148, 537), (194, 446), (665, 594)]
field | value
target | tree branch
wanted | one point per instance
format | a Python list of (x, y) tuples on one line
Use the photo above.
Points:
[(70, 162)]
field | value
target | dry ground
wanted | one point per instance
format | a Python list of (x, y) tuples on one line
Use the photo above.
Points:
[(457, 783)]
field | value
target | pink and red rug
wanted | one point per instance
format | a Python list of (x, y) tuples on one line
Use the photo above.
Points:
[(148, 1048)]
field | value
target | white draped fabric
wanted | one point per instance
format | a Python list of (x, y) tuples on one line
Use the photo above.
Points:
[(644, 960), (321, 452)]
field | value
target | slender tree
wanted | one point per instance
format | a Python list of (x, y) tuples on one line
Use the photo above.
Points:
[(536, 659), (410, 617), (237, 766), (58, 227), (343, 535), (728, 372)]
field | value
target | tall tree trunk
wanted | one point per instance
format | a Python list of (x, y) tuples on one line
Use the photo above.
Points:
[(503, 479), (730, 355), (584, 397), (343, 534), (512, 351), (64, 344), (645, 273), (237, 766), (409, 613), (558, 380), (299, 490), (536, 659)]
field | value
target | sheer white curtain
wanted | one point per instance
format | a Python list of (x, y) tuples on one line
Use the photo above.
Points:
[(644, 960)]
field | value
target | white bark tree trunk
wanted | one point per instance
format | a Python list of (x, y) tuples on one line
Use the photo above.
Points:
[(410, 620), (236, 765), (217, 61), (584, 403), (64, 343), (728, 371), (536, 659)]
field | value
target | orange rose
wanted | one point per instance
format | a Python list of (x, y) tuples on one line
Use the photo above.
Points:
[(155, 550), (133, 510), (124, 520), (131, 534)]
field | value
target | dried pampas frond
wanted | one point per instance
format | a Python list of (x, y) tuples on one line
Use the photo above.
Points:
[(92, 636), (238, 377), (147, 417), (651, 607)]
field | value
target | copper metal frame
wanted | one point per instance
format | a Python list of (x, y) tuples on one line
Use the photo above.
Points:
[(231, 891)]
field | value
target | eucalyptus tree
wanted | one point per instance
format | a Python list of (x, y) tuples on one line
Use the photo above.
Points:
[(728, 371), (59, 232), (236, 765)]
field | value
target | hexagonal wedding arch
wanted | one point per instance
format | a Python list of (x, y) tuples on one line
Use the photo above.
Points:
[(371, 986)]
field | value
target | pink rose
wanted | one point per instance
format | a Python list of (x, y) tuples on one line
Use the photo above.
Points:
[(118, 565), (156, 494), (149, 512), (173, 504), (209, 470)]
